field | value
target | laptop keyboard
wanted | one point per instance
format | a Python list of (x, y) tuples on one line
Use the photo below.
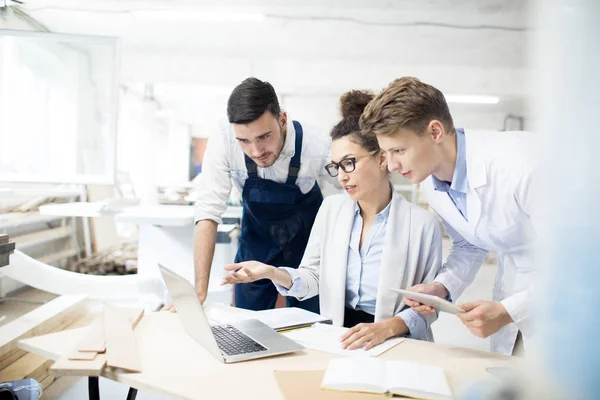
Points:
[(233, 342)]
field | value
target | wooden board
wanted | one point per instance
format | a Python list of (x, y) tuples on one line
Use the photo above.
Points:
[(11, 358), (55, 314), (79, 367), (27, 366), (54, 340), (17, 364), (82, 355), (94, 339), (121, 347), (42, 373), (47, 381), (4, 257), (133, 314), (60, 340), (93, 367)]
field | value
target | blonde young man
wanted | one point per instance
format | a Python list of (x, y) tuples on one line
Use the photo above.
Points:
[(480, 185)]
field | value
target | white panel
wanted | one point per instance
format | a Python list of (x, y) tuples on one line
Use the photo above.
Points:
[(41, 276), (58, 103)]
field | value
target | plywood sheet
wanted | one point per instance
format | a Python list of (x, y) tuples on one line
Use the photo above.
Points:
[(94, 340), (48, 317), (121, 347), (80, 366)]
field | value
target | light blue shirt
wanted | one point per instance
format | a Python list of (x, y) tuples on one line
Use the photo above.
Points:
[(458, 188), (364, 264), (362, 272)]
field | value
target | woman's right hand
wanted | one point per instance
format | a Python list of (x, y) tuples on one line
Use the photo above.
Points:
[(247, 271)]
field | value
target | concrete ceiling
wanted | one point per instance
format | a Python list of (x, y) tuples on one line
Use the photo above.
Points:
[(458, 32), (304, 46)]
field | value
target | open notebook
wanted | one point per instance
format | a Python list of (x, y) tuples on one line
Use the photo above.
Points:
[(372, 375)]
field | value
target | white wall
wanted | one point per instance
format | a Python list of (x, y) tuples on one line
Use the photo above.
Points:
[(311, 52), (321, 111), (310, 88)]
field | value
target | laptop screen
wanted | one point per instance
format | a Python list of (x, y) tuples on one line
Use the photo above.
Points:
[(190, 311)]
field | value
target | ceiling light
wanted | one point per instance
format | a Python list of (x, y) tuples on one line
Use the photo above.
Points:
[(198, 16), (471, 99)]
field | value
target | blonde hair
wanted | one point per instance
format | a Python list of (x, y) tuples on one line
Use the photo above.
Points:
[(407, 103)]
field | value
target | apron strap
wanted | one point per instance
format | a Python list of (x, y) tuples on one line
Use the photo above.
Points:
[(250, 166), (295, 161), (294, 167)]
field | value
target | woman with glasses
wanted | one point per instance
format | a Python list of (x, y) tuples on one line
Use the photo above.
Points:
[(364, 243)]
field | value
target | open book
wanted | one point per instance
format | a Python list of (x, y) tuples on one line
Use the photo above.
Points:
[(372, 375)]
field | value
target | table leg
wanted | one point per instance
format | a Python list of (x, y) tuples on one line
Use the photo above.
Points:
[(132, 394), (93, 388)]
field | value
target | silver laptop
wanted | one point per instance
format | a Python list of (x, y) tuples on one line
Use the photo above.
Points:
[(239, 341)]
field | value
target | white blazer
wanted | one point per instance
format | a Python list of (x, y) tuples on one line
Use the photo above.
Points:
[(499, 210), (412, 254)]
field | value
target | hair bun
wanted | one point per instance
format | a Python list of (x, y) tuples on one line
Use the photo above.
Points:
[(353, 103)]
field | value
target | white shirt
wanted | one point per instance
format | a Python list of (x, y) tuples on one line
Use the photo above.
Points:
[(224, 166)]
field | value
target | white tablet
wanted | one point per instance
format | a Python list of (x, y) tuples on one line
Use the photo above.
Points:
[(430, 300)]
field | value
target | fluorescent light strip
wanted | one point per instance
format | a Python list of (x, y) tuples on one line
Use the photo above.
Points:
[(198, 16), (471, 99)]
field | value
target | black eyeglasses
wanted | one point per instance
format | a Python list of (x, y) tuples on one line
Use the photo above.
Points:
[(347, 164)]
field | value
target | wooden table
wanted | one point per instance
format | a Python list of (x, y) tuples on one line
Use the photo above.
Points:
[(175, 365)]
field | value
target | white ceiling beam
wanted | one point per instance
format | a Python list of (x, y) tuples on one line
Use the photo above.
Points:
[(317, 76)]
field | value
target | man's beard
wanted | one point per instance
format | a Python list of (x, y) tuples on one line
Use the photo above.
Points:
[(280, 149)]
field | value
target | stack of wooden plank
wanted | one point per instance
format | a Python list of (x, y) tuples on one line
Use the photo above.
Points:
[(6, 249), (56, 315), (119, 260), (107, 340)]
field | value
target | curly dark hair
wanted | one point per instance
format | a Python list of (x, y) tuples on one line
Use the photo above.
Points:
[(352, 105)]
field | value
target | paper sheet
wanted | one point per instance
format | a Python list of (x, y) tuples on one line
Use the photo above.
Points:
[(326, 338), (281, 318), (276, 318)]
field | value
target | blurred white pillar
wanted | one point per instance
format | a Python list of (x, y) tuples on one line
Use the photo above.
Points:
[(568, 79), (139, 129)]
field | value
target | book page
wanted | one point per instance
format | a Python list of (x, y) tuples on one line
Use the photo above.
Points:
[(418, 380), (326, 338), (356, 375)]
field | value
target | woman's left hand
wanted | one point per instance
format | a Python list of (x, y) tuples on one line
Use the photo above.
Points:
[(366, 336)]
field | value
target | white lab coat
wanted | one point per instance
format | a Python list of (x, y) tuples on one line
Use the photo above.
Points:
[(500, 166), (412, 254)]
